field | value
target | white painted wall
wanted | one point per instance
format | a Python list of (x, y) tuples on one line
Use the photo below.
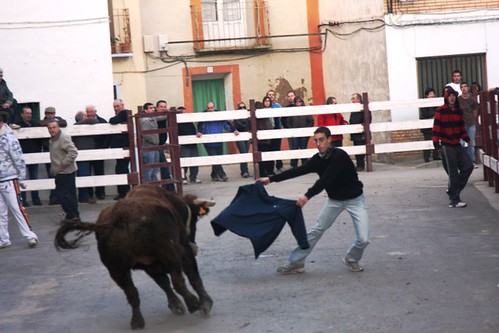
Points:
[(473, 32), (57, 52)]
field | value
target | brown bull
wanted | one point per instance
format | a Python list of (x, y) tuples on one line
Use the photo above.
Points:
[(152, 230)]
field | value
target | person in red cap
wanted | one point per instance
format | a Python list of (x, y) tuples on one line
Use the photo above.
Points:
[(448, 131)]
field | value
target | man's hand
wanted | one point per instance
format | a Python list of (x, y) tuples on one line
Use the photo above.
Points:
[(198, 134), (264, 180), (5, 105), (21, 185), (301, 201), (236, 132)]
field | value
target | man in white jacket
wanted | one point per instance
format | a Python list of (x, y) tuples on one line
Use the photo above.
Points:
[(12, 172)]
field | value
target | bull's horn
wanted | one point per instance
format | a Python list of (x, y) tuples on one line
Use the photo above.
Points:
[(204, 202)]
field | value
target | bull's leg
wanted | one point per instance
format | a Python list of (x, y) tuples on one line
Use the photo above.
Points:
[(190, 268), (123, 279), (178, 281), (174, 303)]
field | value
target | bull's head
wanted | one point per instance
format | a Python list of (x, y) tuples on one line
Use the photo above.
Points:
[(197, 208), (203, 206)]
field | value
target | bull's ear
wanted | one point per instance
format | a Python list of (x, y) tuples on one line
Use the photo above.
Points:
[(204, 203)]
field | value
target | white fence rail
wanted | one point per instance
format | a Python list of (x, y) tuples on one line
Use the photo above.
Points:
[(113, 154)]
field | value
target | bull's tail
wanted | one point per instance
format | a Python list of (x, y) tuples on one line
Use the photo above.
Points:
[(82, 229)]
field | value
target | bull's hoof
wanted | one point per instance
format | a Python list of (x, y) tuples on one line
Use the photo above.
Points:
[(177, 308), (206, 306), (193, 304), (137, 323)]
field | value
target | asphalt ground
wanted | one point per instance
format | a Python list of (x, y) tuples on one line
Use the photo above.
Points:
[(429, 268)]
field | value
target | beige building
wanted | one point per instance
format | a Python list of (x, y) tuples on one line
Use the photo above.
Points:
[(192, 51), (187, 51)]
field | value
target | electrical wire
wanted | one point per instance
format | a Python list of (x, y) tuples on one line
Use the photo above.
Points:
[(52, 24)]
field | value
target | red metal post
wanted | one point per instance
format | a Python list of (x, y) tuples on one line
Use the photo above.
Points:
[(174, 148), (257, 155), (367, 131)]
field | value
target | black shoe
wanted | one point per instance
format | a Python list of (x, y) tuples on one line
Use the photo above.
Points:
[(224, 178), (26, 204), (118, 197), (359, 168), (37, 203), (101, 196)]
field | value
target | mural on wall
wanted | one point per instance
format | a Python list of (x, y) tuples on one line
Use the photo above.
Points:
[(281, 86)]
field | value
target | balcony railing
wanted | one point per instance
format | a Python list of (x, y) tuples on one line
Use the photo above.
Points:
[(121, 38), (221, 25)]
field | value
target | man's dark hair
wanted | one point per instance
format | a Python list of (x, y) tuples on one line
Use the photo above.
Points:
[(323, 130), (146, 106), (161, 101), (457, 71), (464, 82), (181, 108)]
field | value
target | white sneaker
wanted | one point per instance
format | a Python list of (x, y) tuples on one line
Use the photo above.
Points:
[(5, 244), (459, 204), (184, 181), (196, 181), (32, 242)]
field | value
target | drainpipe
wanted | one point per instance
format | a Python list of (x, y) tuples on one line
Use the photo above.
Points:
[(390, 6)]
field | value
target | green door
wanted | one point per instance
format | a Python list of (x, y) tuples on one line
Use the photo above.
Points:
[(205, 91)]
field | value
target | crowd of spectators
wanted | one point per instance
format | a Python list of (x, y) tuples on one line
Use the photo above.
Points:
[(91, 195)]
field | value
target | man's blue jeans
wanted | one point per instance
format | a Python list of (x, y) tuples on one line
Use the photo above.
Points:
[(216, 169), (65, 188), (243, 147), (358, 211), (151, 157), (471, 130)]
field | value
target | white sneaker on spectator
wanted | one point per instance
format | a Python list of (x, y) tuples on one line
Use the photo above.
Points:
[(33, 242), (458, 204), (4, 244)]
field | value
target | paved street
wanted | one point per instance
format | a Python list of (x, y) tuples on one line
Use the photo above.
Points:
[(429, 268)]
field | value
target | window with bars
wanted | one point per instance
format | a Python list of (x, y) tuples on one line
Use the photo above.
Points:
[(436, 72), (230, 24)]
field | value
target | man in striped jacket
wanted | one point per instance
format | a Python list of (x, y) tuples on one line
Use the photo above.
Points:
[(448, 133)]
